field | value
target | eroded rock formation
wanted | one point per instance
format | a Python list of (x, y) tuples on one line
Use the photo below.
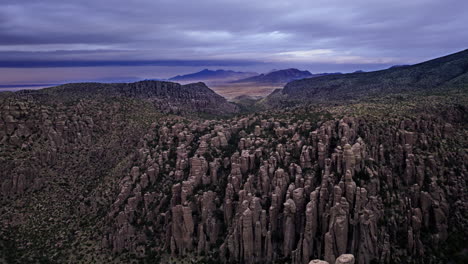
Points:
[(258, 188)]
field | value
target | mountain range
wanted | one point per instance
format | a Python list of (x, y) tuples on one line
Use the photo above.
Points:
[(210, 75), (280, 76), (232, 84), (447, 73)]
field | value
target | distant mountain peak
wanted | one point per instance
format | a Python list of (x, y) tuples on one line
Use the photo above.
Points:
[(279, 76), (207, 75)]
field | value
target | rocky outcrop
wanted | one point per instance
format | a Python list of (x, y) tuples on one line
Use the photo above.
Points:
[(182, 230), (342, 259), (345, 259)]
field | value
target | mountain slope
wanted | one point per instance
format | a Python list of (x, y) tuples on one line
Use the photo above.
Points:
[(168, 97), (446, 72), (206, 75)]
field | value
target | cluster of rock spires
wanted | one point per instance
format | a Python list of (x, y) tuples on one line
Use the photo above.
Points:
[(381, 191), (110, 179), (26, 124), (36, 136), (49, 153)]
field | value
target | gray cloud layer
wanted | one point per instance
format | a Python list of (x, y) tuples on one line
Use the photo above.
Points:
[(302, 32)]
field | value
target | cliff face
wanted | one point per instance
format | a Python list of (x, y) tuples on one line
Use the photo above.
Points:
[(189, 98)]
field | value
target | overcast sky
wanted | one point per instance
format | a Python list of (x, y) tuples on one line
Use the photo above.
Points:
[(51, 41)]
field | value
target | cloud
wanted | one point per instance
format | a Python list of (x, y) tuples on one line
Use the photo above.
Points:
[(329, 56), (302, 31), (118, 63)]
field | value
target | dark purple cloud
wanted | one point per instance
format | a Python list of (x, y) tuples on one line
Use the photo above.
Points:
[(320, 35), (103, 63)]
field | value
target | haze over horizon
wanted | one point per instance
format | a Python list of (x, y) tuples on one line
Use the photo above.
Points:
[(51, 42)]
